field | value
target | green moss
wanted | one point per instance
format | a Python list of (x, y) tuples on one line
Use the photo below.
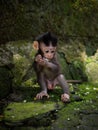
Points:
[(21, 111), (69, 115)]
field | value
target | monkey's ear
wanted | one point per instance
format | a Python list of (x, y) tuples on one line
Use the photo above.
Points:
[(36, 45)]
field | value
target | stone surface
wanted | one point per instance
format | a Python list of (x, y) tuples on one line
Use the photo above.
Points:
[(30, 113), (6, 75), (90, 120)]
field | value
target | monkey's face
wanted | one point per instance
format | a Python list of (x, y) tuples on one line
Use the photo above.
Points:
[(48, 51)]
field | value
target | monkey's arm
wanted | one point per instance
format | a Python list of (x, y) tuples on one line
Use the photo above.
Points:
[(53, 65), (65, 97)]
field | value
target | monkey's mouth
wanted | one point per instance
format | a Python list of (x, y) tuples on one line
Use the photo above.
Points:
[(47, 59)]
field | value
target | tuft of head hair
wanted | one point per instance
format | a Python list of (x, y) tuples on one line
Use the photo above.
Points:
[(48, 38)]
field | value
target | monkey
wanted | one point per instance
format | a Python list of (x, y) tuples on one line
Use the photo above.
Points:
[(47, 67)]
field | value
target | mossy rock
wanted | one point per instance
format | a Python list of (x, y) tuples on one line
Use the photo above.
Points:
[(5, 82), (6, 56), (70, 116), (23, 55), (31, 113), (32, 128), (64, 65), (6, 65)]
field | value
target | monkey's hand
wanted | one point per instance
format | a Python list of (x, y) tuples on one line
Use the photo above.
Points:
[(38, 57), (41, 95), (65, 98), (40, 60)]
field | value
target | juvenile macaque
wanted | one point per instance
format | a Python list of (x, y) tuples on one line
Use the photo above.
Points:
[(47, 67)]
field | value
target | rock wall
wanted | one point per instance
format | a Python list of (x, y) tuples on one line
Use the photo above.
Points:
[(6, 75)]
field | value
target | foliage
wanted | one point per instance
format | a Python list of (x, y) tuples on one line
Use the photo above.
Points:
[(18, 70), (91, 72), (91, 66), (23, 55)]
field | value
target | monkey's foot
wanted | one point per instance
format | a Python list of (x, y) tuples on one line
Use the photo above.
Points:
[(65, 98)]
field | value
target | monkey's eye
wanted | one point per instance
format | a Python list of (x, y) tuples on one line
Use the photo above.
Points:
[(52, 51), (47, 51)]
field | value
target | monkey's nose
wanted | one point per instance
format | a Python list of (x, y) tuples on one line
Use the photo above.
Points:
[(49, 55)]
